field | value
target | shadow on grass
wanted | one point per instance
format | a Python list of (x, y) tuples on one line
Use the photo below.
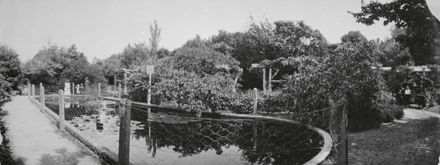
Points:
[(415, 142)]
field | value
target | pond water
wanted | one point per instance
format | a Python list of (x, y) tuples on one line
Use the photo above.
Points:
[(162, 137)]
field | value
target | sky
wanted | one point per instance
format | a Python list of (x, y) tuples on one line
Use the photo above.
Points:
[(100, 28)]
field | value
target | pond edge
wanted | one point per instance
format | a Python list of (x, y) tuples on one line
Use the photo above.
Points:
[(112, 158)]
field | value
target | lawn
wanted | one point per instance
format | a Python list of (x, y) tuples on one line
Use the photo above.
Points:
[(407, 141)]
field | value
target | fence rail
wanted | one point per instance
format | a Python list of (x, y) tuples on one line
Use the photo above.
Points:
[(118, 123)]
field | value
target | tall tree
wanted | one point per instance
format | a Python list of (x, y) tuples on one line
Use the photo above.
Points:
[(154, 39), (422, 29)]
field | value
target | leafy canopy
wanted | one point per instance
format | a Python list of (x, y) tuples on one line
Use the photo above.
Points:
[(422, 29)]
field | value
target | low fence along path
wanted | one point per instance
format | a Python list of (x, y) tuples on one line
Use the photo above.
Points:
[(35, 140)]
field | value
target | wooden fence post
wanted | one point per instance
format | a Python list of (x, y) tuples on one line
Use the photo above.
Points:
[(119, 91), (149, 101), (99, 90), (255, 100), (61, 109), (270, 80), (345, 117), (43, 97), (29, 89), (33, 91), (149, 94), (124, 132), (264, 80)]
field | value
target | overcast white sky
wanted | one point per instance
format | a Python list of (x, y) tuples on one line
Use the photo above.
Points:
[(100, 28)]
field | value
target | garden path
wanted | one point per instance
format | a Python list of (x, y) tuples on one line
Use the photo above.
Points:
[(35, 140), (419, 114)]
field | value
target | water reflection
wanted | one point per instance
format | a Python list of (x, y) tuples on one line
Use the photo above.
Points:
[(258, 141), (180, 138)]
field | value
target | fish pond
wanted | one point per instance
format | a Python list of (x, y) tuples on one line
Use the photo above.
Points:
[(168, 137)]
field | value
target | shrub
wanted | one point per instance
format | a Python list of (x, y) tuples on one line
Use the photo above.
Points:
[(273, 103), (394, 112), (192, 92), (348, 75), (420, 84)]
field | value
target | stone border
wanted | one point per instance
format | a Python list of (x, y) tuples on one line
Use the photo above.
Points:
[(318, 158)]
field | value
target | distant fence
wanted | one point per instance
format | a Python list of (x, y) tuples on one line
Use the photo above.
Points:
[(107, 132)]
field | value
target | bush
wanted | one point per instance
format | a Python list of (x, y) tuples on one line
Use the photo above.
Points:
[(420, 84), (273, 103), (192, 92), (394, 112), (346, 75)]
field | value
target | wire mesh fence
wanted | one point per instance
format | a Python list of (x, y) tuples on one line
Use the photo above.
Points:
[(158, 136), (164, 138), (334, 121)]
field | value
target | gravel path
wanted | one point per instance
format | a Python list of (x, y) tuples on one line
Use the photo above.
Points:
[(35, 140), (419, 114)]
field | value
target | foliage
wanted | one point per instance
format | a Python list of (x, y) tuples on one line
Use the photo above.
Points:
[(154, 39), (297, 39), (53, 65), (133, 55), (385, 102), (390, 54), (421, 27), (353, 37), (345, 75), (265, 41), (110, 68), (10, 72), (198, 71), (192, 92), (5, 88), (419, 83), (200, 60)]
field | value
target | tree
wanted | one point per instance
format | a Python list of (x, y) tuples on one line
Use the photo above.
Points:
[(298, 39), (154, 39), (76, 66), (111, 67), (195, 56), (390, 54), (54, 65), (268, 42), (46, 66), (134, 55), (10, 71), (422, 29), (354, 37)]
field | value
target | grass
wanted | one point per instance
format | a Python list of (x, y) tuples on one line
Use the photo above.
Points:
[(414, 142)]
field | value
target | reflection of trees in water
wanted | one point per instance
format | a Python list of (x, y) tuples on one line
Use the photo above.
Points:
[(278, 143), (260, 141)]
